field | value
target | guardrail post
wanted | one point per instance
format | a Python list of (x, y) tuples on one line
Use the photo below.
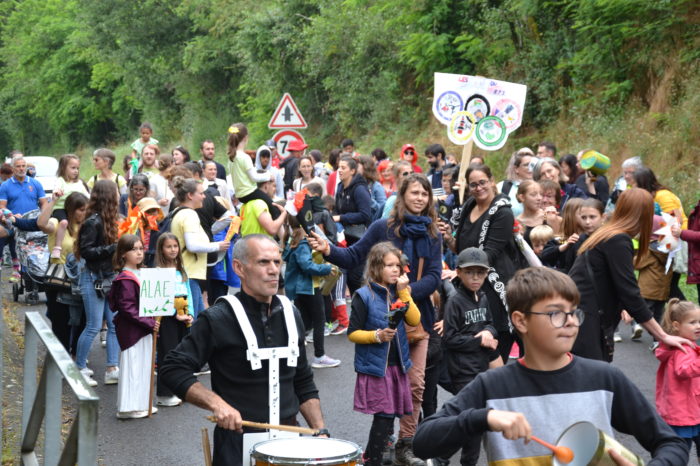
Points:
[(52, 426), (31, 340)]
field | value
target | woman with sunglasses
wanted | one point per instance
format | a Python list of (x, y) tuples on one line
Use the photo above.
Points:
[(486, 222), (409, 154)]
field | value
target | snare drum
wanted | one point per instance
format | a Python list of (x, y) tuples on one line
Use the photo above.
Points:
[(305, 450)]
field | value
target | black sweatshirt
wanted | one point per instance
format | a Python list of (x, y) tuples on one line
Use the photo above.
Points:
[(583, 390), (217, 339)]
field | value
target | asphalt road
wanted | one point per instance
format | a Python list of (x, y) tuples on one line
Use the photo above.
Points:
[(173, 435)]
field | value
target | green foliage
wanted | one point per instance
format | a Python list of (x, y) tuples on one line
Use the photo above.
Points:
[(87, 72)]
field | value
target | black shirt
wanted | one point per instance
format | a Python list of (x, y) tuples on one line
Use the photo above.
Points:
[(216, 338)]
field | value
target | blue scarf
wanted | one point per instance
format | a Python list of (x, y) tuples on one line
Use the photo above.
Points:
[(416, 244)]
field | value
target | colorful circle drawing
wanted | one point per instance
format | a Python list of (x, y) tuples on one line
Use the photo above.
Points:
[(478, 106), (447, 104), (461, 127), (508, 111), (490, 133)]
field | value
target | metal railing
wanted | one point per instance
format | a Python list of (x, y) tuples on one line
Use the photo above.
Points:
[(43, 403)]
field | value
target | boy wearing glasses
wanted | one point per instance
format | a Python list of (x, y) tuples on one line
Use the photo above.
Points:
[(469, 338), (547, 390)]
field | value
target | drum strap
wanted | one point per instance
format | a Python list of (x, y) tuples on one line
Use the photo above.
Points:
[(254, 354)]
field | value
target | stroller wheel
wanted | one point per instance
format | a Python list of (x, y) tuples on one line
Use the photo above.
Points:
[(15, 292)]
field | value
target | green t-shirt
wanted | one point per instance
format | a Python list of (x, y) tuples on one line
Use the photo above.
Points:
[(138, 145), (242, 184), (249, 215)]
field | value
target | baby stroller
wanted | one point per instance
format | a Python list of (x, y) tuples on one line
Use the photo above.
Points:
[(33, 254)]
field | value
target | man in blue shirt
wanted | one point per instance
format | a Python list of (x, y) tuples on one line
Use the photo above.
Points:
[(21, 193)]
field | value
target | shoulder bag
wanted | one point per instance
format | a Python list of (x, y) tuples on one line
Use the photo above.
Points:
[(416, 333)]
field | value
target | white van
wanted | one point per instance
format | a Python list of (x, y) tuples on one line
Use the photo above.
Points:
[(46, 168)]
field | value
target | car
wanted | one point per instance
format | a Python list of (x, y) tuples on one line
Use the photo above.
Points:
[(46, 169)]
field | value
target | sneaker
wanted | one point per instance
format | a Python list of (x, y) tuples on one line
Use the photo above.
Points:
[(15, 277), (168, 401), (89, 371), (325, 361), (87, 375), (309, 337), (637, 332), (339, 330), (112, 377), (204, 371), (328, 328), (653, 346), (103, 337), (617, 338)]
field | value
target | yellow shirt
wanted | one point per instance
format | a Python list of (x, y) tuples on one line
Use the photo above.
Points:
[(187, 221), (66, 245), (250, 212), (668, 202)]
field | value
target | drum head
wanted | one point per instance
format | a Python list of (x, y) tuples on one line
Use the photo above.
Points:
[(306, 450)]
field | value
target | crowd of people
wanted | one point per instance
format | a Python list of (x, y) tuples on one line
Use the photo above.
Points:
[(434, 279)]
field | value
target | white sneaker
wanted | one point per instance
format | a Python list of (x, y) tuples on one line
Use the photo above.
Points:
[(617, 338), (324, 361), (112, 377), (168, 401), (309, 337), (135, 414), (87, 375), (637, 332), (89, 371)]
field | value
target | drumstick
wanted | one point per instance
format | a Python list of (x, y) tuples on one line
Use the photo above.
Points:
[(206, 447), (262, 425), (563, 454)]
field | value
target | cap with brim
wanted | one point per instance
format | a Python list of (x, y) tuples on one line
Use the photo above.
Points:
[(148, 203), (297, 145), (472, 257)]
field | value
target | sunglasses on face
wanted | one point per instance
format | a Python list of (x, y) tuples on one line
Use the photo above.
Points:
[(409, 152), (405, 173)]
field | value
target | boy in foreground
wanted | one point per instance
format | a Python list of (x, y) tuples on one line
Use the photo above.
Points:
[(547, 390)]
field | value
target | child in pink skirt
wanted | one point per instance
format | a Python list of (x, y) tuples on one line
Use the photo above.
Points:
[(381, 346)]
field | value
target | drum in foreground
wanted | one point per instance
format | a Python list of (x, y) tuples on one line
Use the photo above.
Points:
[(305, 450)]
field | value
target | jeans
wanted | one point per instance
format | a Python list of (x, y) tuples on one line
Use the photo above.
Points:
[(197, 301), (96, 310)]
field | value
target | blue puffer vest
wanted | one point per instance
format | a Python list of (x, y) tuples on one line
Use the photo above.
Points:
[(372, 359)]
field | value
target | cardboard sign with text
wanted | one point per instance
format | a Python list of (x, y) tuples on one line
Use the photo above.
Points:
[(157, 296)]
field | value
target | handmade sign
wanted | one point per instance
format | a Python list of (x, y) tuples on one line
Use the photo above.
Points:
[(157, 296), (478, 109)]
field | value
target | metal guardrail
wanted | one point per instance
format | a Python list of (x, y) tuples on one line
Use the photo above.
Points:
[(43, 402)]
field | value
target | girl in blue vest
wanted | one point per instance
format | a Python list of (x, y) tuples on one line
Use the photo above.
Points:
[(381, 346)]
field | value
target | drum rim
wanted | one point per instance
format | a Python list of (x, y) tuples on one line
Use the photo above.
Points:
[(276, 459)]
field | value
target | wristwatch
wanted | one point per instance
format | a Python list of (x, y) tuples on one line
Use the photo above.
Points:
[(323, 431)]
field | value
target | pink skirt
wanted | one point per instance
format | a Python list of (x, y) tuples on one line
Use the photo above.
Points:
[(390, 394)]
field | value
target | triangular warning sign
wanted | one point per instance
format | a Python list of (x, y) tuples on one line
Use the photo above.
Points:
[(287, 115)]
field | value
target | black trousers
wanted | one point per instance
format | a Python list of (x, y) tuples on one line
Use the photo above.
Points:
[(169, 336), (313, 314), (59, 315)]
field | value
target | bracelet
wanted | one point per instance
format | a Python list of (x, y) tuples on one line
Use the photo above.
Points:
[(376, 336)]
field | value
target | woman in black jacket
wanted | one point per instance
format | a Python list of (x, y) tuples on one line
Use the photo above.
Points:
[(486, 222), (604, 275), (96, 244), (352, 210)]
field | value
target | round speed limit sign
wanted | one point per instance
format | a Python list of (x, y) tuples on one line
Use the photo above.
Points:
[(283, 138)]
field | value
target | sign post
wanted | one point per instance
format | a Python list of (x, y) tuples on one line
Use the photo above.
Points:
[(286, 118)]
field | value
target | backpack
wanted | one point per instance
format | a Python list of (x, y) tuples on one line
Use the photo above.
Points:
[(164, 226)]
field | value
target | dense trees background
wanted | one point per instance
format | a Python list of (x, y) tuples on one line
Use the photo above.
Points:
[(86, 72)]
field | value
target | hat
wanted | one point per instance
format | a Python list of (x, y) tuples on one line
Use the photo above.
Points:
[(271, 144), (297, 145), (472, 257), (148, 203)]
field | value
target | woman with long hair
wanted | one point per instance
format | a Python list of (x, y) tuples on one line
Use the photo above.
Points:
[(59, 312), (604, 275), (96, 243), (411, 227), (486, 222), (368, 170), (306, 175), (518, 170)]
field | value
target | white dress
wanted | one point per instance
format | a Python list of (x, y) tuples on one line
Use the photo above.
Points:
[(135, 376)]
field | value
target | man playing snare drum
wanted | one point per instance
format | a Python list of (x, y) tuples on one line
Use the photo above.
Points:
[(222, 337)]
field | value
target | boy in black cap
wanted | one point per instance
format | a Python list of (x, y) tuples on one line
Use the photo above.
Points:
[(469, 338)]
